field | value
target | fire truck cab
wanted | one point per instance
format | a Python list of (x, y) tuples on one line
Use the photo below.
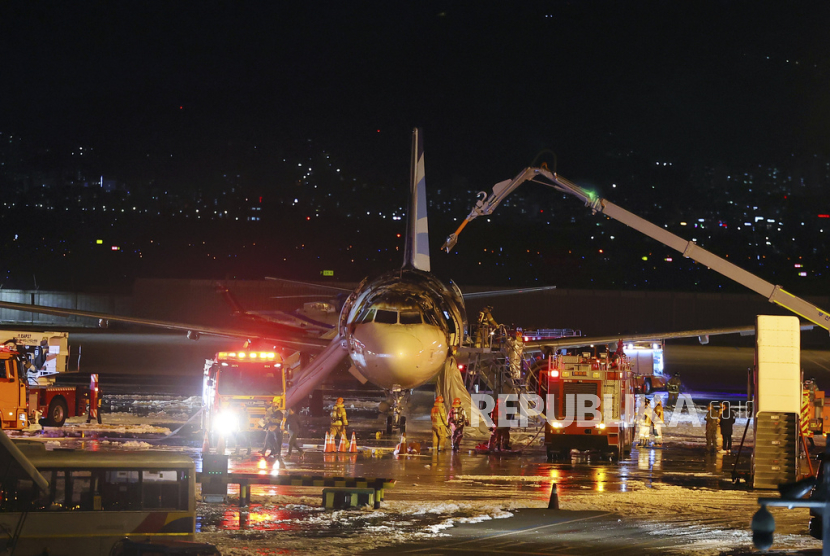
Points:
[(237, 388), (573, 381), (29, 365)]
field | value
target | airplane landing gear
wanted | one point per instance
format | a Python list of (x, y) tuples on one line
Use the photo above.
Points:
[(396, 399)]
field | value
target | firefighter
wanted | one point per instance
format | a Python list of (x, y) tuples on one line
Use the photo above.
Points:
[(486, 323), (499, 436), (673, 386), (515, 350), (440, 432), (31, 372), (619, 356), (273, 434), (644, 432), (457, 419), (291, 425), (658, 424), (727, 421), (339, 420), (712, 420)]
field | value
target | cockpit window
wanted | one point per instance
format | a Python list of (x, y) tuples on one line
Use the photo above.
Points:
[(410, 317), (386, 317), (450, 324), (367, 315)]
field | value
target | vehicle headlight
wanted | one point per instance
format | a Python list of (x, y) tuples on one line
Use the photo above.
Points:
[(226, 423), (600, 425), (556, 425)]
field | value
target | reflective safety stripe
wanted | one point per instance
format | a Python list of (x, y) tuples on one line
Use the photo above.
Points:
[(805, 413)]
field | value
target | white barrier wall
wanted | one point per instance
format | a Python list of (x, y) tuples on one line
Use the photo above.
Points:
[(778, 359)]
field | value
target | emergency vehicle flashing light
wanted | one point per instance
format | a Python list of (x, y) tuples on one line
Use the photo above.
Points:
[(554, 374), (246, 355)]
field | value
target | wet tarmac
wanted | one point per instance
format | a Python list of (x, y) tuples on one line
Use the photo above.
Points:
[(677, 498)]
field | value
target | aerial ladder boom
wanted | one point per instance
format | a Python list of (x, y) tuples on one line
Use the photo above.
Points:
[(775, 294)]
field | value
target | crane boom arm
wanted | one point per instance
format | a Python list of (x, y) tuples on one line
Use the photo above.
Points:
[(775, 294)]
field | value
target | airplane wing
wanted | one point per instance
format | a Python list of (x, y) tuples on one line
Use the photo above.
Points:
[(703, 335), (288, 336), (308, 284), (496, 293)]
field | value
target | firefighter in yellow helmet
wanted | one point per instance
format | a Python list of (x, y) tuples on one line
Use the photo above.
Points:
[(440, 432), (339, 420), (273, 433), (456, 420)]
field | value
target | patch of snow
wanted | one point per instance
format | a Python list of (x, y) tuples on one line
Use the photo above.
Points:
[(136, 445)]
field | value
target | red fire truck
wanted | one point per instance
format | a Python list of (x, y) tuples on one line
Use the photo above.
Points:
[(237, 389), (573, 379), (29, 363)]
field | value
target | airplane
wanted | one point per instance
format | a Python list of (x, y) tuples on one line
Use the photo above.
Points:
[(316, 318), (400, 330)]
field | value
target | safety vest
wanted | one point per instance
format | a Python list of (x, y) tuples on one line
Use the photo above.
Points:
[(439, 416), (338, 415)]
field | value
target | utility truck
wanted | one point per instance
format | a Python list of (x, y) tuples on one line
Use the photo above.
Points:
[(30, 364)]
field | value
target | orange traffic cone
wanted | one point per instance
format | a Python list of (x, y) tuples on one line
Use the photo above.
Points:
[(401, 448), (344, 444), (329, 443), (353, 444)]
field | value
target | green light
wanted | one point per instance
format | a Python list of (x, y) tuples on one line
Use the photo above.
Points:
[(99, 241), (645, 258), (328, 273)]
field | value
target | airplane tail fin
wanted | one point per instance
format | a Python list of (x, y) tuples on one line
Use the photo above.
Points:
[(416, 251), (231, 300)]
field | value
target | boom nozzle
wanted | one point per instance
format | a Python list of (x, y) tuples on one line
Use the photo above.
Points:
[(452, 239)]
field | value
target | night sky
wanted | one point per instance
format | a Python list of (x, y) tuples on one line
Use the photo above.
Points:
[(224, 98), (491, 84)]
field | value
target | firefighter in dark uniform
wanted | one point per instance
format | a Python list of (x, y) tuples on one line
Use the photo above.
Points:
[(500, 436), (673, 386), (273, 433), (457, 419), (727, 421), (291, 425)]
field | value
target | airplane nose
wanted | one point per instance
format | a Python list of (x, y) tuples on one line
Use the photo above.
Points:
[(398, 357), (400, 347)]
